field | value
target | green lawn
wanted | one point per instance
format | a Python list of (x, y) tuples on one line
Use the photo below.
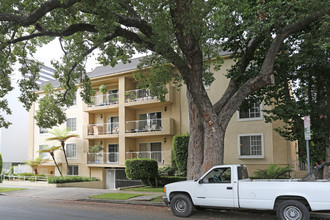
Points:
[(116, 196), (145, 189), (3, 189), (157, 199)]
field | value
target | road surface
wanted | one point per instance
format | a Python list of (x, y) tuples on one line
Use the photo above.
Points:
[(25, 208)]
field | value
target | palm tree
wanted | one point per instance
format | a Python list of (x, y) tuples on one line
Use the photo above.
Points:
[(62, 136), (34, 164), (51, 151)]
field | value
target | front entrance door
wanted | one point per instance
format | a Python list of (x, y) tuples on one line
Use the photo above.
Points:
[(110, 179)]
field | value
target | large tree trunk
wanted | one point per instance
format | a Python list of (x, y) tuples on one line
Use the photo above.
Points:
[(206, 143)]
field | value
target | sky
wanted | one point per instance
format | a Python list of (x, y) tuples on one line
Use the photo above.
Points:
[(53, 51)]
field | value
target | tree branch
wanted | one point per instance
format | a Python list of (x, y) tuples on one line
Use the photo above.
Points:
[(241, 67), (38, 13), (75, 28), (265, 76)]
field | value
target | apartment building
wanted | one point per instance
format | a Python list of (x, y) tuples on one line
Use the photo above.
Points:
[(130, 123)]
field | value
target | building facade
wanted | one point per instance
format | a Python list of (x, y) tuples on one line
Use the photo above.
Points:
[(130, 123)]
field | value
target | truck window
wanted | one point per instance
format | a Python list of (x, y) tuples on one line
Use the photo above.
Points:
[(218, 175), (242, 173)]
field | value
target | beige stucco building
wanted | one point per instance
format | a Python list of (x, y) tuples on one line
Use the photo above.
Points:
[(129, 123)]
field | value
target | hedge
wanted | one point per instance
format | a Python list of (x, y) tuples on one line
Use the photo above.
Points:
[(180, 152), (70, 179), (163, 180), (141, 169)]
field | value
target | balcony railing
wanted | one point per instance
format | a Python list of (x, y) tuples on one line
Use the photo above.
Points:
[(102, 129), (102, 100), (102, 158), (156, 155), (144, 125), (138, 95)]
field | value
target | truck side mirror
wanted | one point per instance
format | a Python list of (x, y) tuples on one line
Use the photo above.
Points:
[(200, 181)]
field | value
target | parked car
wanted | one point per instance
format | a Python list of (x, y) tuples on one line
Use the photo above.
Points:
[(229, 186)]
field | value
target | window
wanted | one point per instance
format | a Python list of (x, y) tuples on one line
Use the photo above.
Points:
[(252, 113), (113, 96), (113, 153), (251, 146), (73, 170), (71, 124), (43, 130), (113, 125), (71, 151), (150, 121), (151, 151), (44, 155), (218, 175)]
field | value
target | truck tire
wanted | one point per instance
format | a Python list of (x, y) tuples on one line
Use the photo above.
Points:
[(181, 205), (292, 210)]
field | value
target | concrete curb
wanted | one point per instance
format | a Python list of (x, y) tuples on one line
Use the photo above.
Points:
[(159, 204), (320, 215)]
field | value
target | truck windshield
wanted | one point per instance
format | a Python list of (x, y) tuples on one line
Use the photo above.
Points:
[(242, 173)]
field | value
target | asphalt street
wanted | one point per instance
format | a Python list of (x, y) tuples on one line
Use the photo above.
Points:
[(36, 203), (25, 208)]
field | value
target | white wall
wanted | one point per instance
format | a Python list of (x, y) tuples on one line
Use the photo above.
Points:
[(14, 140)]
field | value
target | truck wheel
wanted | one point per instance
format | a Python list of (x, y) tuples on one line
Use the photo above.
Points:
[(292, 210), (181, 205)]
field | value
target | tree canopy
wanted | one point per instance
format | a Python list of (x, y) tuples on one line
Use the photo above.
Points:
[(302, 87), (186, 34)]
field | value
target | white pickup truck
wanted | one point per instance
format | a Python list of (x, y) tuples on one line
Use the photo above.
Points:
[(229, 186)]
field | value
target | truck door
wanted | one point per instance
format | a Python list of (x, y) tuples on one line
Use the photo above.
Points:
[(216, 189)]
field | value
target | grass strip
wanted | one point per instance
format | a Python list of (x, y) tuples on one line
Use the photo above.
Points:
[(4, 189), (157, 199), (145, 189), (116, 196)]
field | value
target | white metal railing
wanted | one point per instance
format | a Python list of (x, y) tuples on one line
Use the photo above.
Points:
[(156, 155), (102, 158), (106, 99), (299, 165), (105, 128), (138, 95), (24, 178), (144, 125)]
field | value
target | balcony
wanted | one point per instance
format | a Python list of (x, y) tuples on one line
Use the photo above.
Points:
[(159, 126), (144, 125), (102, 158), (103, 101), (103, 129), (156, 155), (138, 95)]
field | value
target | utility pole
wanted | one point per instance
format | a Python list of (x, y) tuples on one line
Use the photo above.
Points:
[(307, 129)]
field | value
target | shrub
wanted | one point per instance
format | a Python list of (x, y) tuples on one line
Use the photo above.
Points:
[(180, 152), (95, 148), (163, 180), (70, 179), (273, 172), (142, 169), (166, 171), (31, 174)]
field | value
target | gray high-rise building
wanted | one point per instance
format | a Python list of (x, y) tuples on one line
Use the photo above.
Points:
[(14, 139)]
